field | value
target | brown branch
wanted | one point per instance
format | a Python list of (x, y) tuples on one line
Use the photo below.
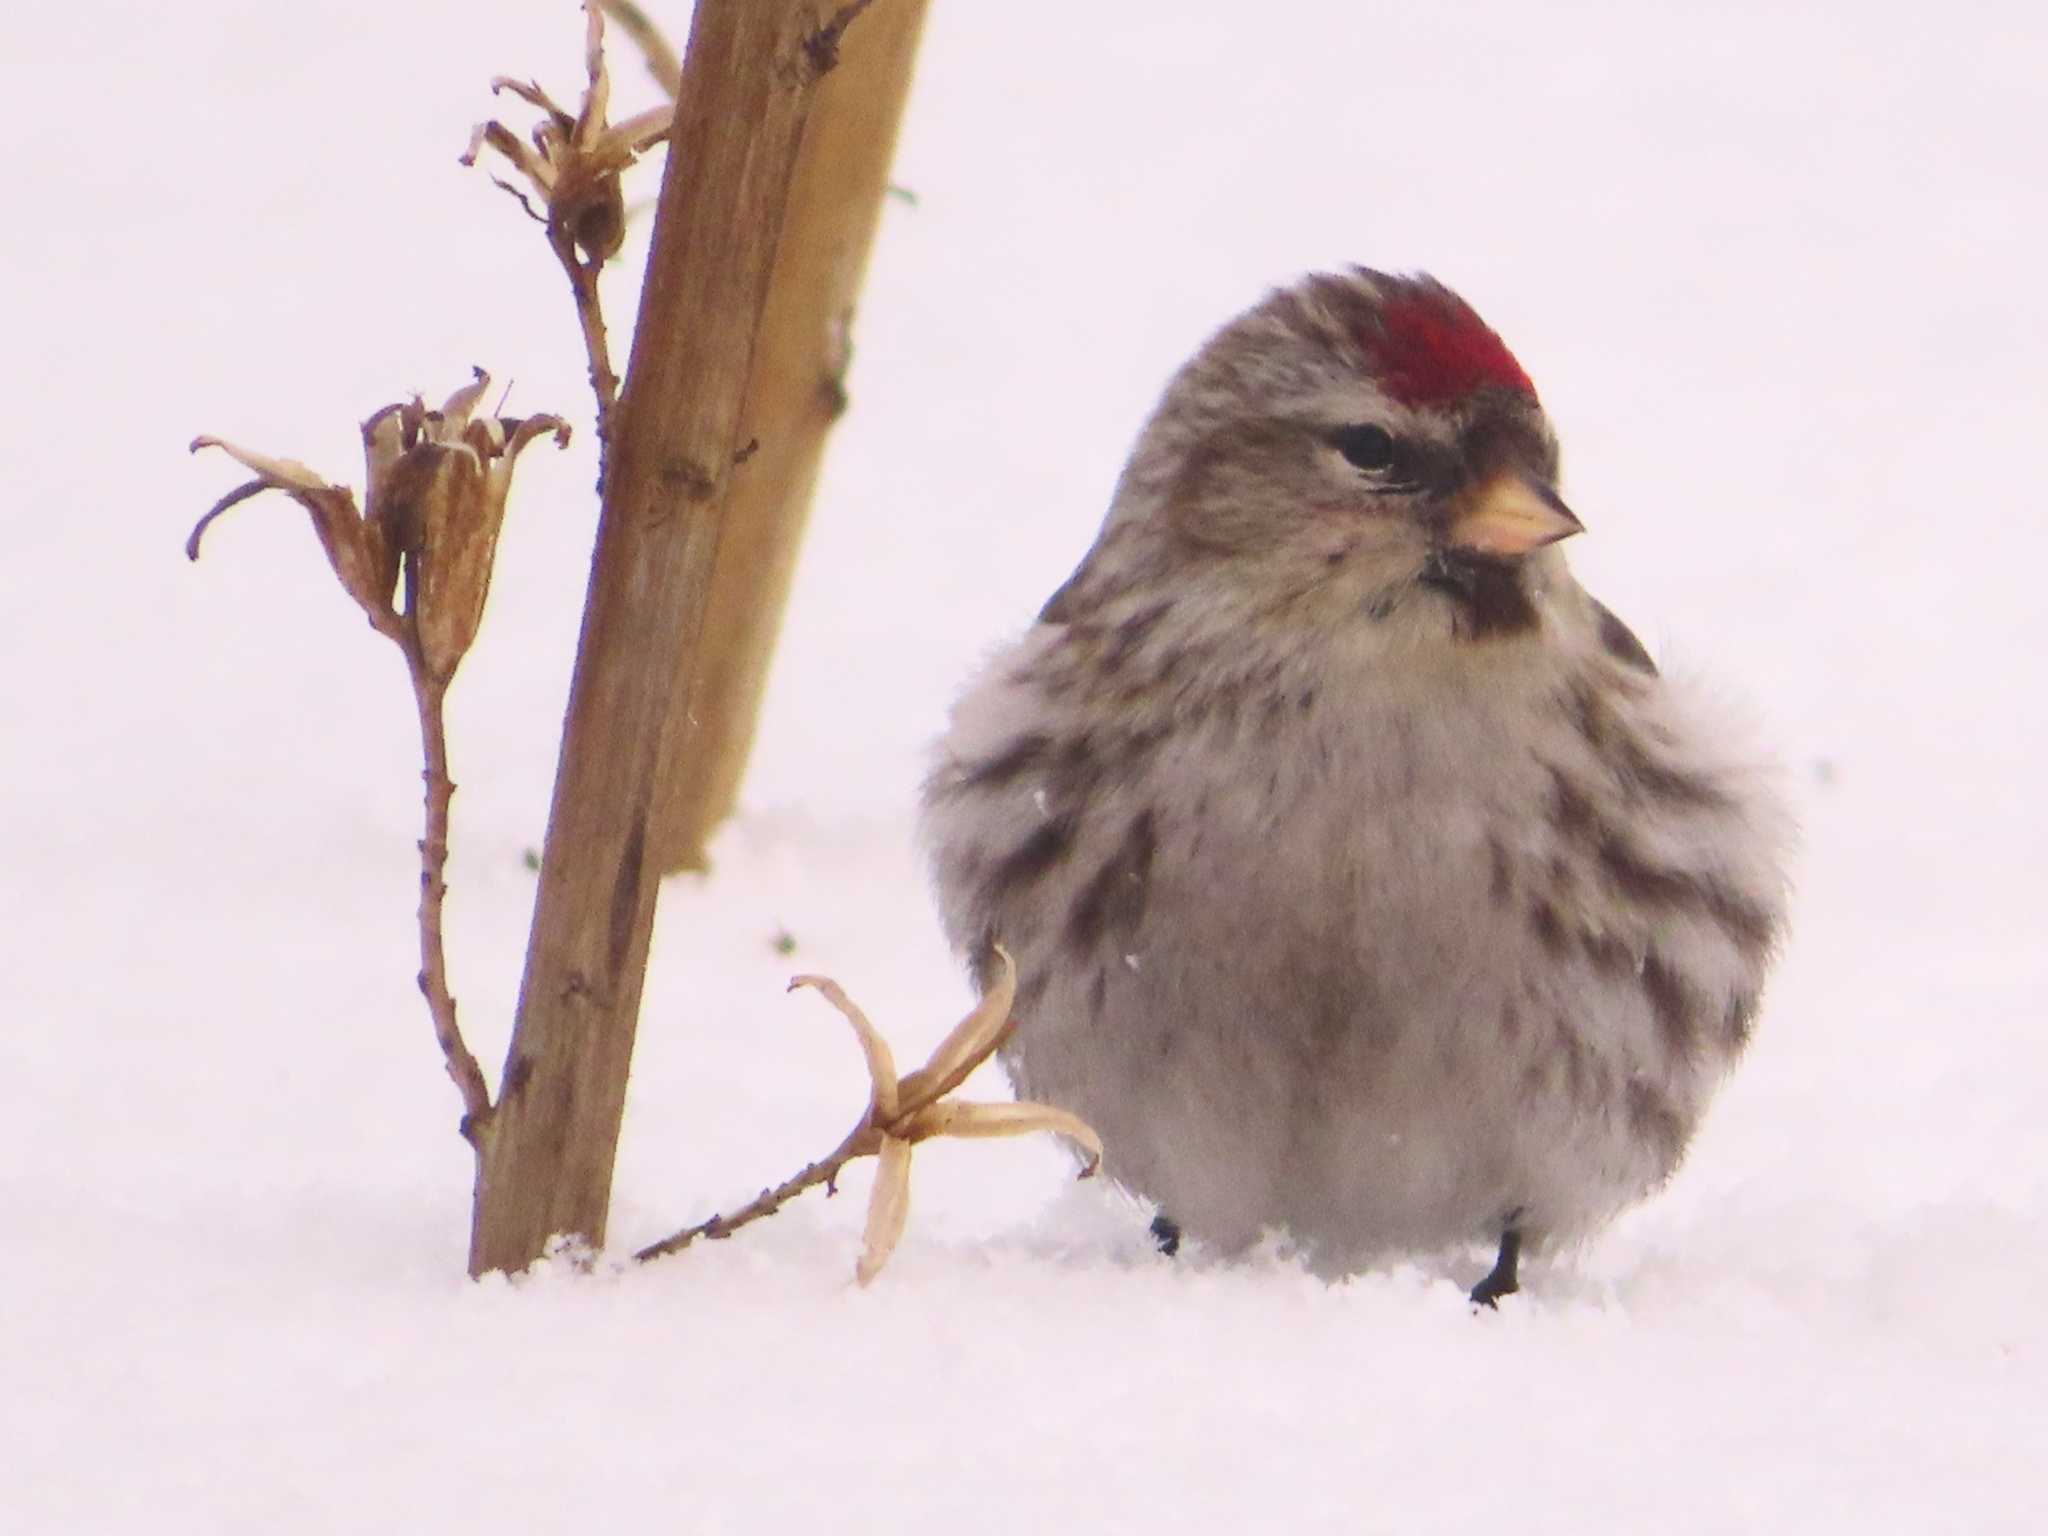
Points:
[(862, 1141), (604, 383), (431, 694), (436, 528), (547, 1164), (795, 394)]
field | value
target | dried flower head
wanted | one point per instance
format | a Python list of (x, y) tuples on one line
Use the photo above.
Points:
[(903, 1111), (576, 158), (438, 481)]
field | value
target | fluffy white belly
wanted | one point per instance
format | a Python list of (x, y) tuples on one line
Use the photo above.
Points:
[(1377, 978)]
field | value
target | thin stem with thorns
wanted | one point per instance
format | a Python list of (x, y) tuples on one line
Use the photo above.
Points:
[(438, 480), (863, 1141), (604, 383), (431, 695)]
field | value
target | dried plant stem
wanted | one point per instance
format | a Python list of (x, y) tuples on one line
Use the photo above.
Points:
[(862, 1141), (546, 1166), (430, 693), (604, 383), (430, 697), (438, 480), (796, 395)]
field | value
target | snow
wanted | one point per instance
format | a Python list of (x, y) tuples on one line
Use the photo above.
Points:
[(1775, 270)]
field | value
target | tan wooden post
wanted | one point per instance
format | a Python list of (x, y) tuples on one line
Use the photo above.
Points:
[(752, 73), (798, 390)]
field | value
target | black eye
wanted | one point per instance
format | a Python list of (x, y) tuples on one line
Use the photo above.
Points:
[(1368, 447)]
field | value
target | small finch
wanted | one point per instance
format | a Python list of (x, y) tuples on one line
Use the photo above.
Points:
[(1364, 877)]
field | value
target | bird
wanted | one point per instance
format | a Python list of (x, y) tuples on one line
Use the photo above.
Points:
[(1366, 879)]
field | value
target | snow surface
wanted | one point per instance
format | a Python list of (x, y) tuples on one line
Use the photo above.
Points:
[(1777, 271)]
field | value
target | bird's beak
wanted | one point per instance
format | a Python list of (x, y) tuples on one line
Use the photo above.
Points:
[(1509, 516)]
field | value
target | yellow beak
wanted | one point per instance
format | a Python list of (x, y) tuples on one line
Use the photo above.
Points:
[(1509, 516)]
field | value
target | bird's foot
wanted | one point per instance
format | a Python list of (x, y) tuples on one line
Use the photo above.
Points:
[(1501, 1280)]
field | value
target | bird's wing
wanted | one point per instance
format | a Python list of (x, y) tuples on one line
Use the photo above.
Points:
[(1618, 640)]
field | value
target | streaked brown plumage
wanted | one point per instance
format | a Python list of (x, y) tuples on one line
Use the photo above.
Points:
[(1364, 877)]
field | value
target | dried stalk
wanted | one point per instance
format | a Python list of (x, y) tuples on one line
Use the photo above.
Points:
[(604, 382), (437, 486), (676, 437), (862, 1141), (796, 397), (431, 695), (435, 499)]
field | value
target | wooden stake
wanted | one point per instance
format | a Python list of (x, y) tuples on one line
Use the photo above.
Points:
[(750, 74), (796, 394)]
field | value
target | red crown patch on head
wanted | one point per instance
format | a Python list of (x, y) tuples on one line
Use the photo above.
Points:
[(1432, 348)]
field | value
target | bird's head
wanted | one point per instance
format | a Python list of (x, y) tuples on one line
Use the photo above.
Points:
[(1357, 446)]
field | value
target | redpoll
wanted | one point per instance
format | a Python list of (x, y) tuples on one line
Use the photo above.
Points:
[(1364, 877)]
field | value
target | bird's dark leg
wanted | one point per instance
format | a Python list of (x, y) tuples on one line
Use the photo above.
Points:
[(1501, 1281), (1166, 1233)]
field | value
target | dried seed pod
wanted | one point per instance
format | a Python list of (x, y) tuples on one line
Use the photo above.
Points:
[(358, 549), (910, 1109), (437, 496), (576, 158), (438, 484)]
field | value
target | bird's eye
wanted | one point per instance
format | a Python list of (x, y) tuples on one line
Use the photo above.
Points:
[(1367, 447)]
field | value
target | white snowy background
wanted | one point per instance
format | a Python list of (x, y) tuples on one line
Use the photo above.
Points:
[(1776, 269)]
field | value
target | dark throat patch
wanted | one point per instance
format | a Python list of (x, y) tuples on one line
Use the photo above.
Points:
[(1489, 598)]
